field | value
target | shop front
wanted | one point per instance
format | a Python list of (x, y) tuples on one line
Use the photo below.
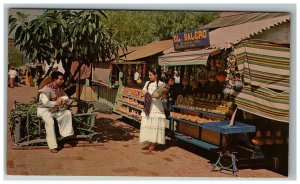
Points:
[(204, 113)]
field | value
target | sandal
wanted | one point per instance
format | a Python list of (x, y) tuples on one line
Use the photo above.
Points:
[(54, 150), (151, 148), (146, 147)]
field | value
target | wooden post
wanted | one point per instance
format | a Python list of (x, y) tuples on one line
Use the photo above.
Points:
[(17, 135), (79, 81)]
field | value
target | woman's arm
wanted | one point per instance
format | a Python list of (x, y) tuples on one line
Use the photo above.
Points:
[(145, 87)]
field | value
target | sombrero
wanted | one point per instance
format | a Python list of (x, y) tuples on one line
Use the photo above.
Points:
[(46, 81)]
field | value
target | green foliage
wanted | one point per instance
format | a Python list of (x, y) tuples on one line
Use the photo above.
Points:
[(55, 33), (142, 27), (14, 57)]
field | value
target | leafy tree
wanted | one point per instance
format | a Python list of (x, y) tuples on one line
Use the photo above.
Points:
[(142, 27), (61, 34), (14, 57)]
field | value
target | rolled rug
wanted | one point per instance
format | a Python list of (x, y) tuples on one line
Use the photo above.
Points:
[(147, 105)]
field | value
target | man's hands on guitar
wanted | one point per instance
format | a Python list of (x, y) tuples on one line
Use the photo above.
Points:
[(61, 101)]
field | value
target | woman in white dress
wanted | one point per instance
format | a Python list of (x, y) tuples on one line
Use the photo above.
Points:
[(152, 129)]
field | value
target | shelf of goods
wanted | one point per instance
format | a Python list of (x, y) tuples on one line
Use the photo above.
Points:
[(129, 103), (221, 126), (207, 132)]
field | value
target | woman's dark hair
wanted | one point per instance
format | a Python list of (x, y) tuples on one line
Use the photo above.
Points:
[(153, 71), (54, 75)]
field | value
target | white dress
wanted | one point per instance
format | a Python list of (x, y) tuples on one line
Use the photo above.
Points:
[(153, 126)]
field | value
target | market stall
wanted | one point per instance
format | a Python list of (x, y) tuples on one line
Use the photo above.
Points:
[(133, 73), (203, 113)]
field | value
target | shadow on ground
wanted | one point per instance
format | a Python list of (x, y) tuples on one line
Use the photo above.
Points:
[(109, 129)]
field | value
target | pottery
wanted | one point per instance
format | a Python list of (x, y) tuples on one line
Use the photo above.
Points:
[(238, 85), (268, 139), (257, 140), (278, 138)]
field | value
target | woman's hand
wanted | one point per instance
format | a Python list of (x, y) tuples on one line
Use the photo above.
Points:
[(144, 92)]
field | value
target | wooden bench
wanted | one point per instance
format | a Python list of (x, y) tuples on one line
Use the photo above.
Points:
[(28, 129)]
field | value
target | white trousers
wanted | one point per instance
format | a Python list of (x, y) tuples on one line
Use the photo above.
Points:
[(64, 120)]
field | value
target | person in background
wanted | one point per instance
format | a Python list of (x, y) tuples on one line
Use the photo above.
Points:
[(12, 76), (173, 92), (152, 130), (51, 98), (185, 88), (176, 77), (194, 87)]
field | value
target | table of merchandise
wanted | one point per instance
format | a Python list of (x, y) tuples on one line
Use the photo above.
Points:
[(222, 127)]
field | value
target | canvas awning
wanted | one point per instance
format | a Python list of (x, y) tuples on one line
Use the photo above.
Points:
[(198, 57), (148, 50), (125, 62), (235, 18), (224, 37)]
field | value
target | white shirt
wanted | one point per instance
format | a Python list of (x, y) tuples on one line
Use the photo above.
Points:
[(177, 79), (136, 76), (46, 102), (12, 73), (156, 109)]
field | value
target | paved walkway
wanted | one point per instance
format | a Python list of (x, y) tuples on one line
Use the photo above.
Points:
[(118, 153)]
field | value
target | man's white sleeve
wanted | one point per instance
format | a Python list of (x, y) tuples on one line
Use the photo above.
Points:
[(65, 97), (46, 102)]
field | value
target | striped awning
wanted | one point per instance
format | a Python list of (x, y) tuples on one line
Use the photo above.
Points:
[(266, 70), (224, 37), (198, 57), (236, 18)]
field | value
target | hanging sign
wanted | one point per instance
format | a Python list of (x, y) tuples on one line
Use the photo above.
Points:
[(191, 39)]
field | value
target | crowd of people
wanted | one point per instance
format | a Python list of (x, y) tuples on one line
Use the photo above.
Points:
[(31, 76)]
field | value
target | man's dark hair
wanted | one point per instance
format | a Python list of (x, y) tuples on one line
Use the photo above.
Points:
[(54, 75), (171, 78)]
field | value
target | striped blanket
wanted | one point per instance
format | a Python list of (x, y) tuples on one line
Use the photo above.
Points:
[(266, 69)]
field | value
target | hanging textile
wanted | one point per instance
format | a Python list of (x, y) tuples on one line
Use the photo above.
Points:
[(266, 69)]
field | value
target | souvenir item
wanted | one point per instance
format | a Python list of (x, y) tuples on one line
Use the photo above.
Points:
[(268, 139), (257, 140), (278, 138), (191, 102), (221, 76), (238, 85), (158, 92), (212, 77), (185, 100), (179, 99)]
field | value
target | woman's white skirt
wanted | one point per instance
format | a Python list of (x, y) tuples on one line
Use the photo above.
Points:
[(152, 130)]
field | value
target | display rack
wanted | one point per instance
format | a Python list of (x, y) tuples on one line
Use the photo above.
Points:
[(221, 127), (119, 102)]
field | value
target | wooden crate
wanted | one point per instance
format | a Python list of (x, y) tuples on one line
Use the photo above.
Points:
[(212, 137), (189, 130)]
